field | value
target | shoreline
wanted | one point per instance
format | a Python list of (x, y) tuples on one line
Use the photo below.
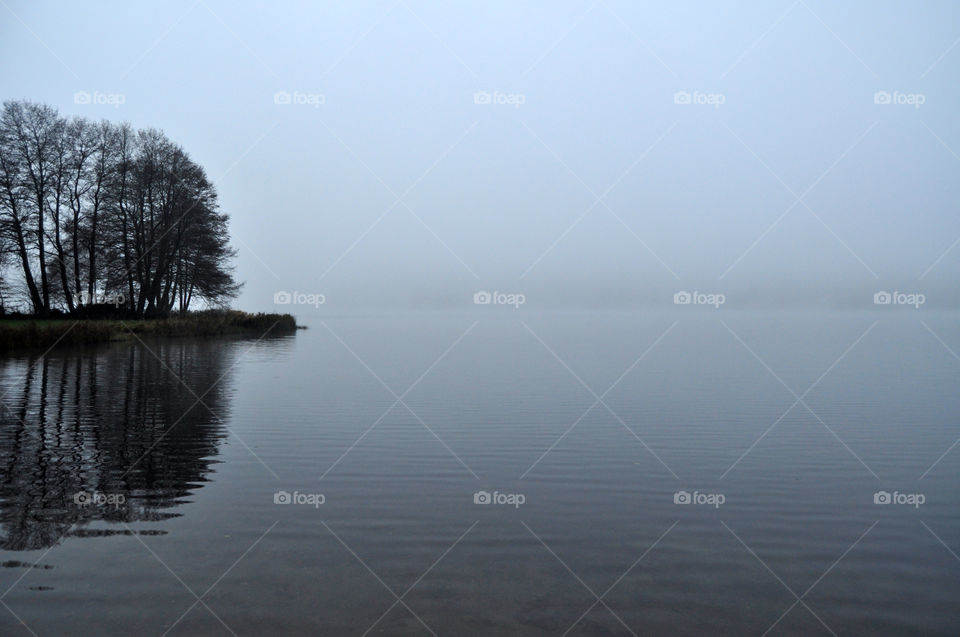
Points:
[(26, 333)]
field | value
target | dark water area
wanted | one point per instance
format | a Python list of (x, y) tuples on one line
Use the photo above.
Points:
[(490, 473)]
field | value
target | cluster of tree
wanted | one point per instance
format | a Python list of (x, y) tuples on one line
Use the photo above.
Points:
[(98, 212)]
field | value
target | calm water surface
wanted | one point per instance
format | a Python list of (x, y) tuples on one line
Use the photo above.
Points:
[(325, 483)]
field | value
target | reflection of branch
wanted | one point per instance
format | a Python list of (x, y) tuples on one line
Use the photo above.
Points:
[(68, 437), (112, 532)]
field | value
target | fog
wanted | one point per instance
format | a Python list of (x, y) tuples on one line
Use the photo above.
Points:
[(605, 154)]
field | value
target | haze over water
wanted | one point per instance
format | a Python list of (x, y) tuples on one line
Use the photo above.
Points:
[(290, 416), (622, 319)]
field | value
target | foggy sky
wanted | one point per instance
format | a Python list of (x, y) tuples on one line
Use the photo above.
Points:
[(400, 190)]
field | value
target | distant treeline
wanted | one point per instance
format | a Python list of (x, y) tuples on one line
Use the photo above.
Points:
[(95, 213)]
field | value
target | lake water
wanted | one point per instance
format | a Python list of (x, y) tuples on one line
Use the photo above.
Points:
[(649, 473)]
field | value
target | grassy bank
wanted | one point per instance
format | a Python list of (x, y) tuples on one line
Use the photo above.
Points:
[(18, 333)]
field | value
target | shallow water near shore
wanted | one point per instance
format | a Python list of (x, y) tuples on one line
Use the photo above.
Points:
[(500, 472)]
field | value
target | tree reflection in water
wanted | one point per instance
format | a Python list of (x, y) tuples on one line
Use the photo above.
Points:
[(112, 422)]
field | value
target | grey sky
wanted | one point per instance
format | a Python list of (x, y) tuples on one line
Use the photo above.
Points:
[(694, 196)]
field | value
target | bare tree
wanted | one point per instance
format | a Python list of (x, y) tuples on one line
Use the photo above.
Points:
[(122, 212)]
